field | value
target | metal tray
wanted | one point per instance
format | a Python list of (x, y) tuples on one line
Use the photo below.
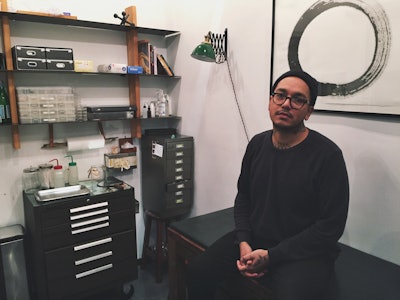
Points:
[(62, 192)]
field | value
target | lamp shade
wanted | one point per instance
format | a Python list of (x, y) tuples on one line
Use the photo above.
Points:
[(204, 52)]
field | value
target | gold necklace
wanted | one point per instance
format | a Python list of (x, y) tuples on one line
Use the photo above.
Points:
[(284, 146)]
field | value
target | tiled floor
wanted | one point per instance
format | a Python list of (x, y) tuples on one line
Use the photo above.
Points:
[(145, 287)]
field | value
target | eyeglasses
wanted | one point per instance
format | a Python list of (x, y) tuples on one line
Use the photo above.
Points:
[(296, 102)]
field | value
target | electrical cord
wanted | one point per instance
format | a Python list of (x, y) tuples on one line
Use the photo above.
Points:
[(237, 102)]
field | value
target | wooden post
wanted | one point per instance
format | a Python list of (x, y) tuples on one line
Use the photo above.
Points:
[(131, 13)]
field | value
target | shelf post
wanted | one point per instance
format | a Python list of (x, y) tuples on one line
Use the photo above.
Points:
[(10, 77), (134, 84)]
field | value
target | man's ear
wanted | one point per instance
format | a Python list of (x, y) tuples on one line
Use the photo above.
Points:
[(309, 112)]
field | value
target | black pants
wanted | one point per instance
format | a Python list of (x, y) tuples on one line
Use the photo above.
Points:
[(306, 279)]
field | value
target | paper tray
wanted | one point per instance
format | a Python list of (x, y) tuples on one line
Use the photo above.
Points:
[(62, 192)]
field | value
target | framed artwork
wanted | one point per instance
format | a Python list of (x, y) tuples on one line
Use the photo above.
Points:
[(352, 47)]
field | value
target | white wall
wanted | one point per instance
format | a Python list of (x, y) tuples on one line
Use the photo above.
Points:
[(206, 103)]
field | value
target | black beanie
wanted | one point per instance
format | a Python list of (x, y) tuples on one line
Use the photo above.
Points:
[(307, 78)]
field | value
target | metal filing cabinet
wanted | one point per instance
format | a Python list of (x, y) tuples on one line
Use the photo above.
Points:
[(167, 174)]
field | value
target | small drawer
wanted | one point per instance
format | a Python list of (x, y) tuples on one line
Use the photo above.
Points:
[(60, 65), (59, 53), (28, 52), (30, 64)]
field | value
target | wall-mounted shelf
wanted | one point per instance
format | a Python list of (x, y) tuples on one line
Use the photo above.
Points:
[(8, 19)]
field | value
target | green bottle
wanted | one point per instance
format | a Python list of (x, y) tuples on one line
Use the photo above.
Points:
[(5, 116)]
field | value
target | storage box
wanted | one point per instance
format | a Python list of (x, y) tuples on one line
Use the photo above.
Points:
[(60, 65), (120, 115), (59, 53), (83, 65), (28, 51), (112, 68), (46, 104), (30, 63), (135, 70)]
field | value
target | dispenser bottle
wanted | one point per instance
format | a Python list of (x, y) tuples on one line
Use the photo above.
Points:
[(73, 177), (58, 175)]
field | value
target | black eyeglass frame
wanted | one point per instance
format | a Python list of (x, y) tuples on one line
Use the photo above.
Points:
[(290, 100)]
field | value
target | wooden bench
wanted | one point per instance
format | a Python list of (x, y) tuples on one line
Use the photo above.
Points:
[(358, 275)]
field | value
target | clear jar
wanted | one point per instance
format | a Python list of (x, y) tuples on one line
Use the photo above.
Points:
[(31, 179), (45, 175)]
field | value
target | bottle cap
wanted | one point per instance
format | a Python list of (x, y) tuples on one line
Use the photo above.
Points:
[(72, 163), (58, 166)]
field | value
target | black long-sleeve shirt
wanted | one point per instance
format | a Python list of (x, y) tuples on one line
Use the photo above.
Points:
[(293, 202)]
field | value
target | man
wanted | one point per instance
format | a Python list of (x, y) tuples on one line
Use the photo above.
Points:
[(290, 209)]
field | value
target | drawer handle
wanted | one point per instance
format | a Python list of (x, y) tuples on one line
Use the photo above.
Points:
[(179, 154), (87, 207), (179, 146), (93, 244), (180, 177), (93, 258), (179, 201), (93, 271), (90, 228), (179, 161), (179, 169), (93, 213), (32, 64), (179, 193), (88, 222), (31, 53), (180, 186)]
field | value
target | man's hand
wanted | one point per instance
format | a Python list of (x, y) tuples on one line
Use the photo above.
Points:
[(253, 264)]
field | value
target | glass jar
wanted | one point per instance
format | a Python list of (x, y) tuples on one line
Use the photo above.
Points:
[(45, 175), (30, 179)]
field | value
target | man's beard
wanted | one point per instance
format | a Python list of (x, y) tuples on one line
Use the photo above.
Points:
[(296, 128)]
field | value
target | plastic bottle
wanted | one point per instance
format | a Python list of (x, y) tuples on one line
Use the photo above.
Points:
[(73, 178), (152, 109), (58, 175), (144, 111), (5, 116), (148, 112)]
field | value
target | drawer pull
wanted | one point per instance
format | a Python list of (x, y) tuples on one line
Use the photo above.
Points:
[(179, 193), (93, 271), (92, 258), (177, 178), (179, 154), (179, 201), (93, 244), (179, 161), (32, 64), (180, 186), (179, 169), (91, 221), (179, 146), (90, 228), (87, 207), (90, 214)]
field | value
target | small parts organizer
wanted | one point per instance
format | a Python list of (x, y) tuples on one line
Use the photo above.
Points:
[(121, 161), (125, 159)]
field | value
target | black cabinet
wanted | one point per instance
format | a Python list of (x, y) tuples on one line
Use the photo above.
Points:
[(167, 174), (80, 246)]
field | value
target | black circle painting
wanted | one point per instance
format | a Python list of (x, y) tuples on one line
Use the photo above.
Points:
[(377, 18)]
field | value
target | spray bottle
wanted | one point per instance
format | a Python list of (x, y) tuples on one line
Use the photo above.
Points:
[(58, 175), (73, 177)]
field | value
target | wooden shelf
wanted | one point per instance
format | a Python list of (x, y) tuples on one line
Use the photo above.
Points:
[(7, 20)]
